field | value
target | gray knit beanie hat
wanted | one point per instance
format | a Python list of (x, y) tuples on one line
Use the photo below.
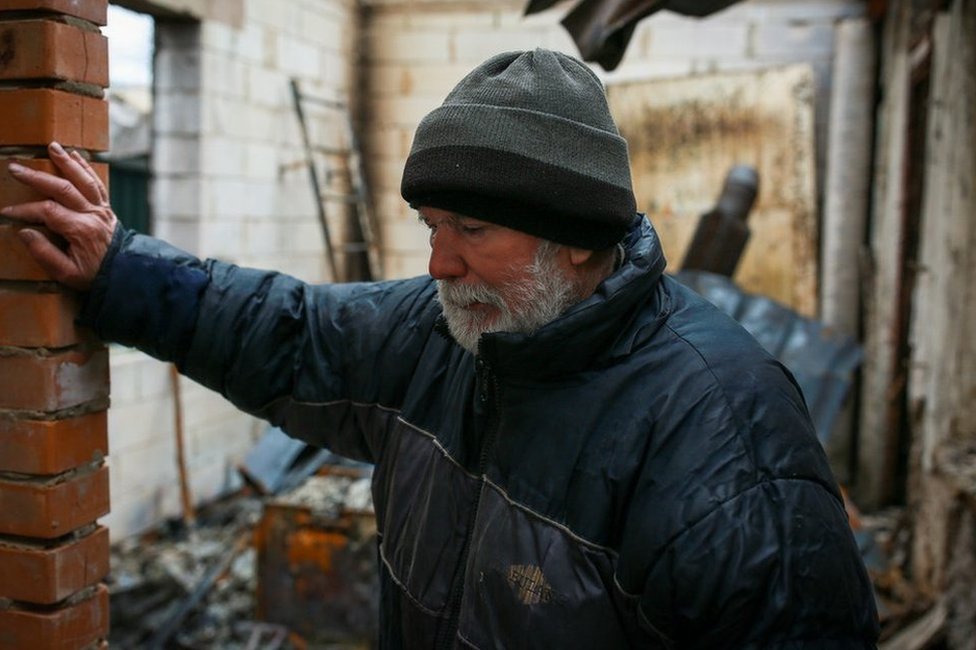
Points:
[(526, 141)]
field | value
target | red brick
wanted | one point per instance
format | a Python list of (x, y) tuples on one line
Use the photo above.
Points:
[(36, 116), (68, 628), (15, 262), (34, 509), (31, 319), (48, 575), (95, 11), (12, 192), (49, 383), (52, 446), (44, 49)]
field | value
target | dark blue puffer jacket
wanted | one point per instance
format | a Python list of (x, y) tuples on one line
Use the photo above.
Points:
[(636, 473)]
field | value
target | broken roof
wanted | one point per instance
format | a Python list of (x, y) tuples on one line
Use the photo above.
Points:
[(602, 28)]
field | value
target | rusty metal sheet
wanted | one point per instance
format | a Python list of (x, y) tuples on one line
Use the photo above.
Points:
[(684, 134), (316, 557)]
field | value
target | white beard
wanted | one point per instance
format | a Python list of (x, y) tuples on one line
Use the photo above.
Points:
[(523, 305)]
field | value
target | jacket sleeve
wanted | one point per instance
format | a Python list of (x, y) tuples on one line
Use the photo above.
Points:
[(319, 361)]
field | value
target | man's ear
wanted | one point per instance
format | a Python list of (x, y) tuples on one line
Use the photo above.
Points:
[(579, 256)]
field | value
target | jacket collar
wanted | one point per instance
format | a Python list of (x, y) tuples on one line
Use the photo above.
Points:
[(596, 330)]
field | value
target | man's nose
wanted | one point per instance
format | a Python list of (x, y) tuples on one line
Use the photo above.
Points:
[(445, 262)]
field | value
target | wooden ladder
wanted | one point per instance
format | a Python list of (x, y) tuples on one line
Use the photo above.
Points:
[(361, 251)]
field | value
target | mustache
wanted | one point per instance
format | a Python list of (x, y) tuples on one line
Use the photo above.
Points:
[(459, 296)]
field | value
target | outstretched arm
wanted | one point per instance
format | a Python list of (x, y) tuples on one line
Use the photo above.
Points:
[(76, 211), (329, 363)]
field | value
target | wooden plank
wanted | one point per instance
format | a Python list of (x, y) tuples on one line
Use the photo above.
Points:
[(847, 186), (846, 191), (877, 443), (942, 384), (922, 633)]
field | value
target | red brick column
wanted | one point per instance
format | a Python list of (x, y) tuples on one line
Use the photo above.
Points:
[(53, 376)]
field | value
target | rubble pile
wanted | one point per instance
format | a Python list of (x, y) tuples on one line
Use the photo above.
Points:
[(289, 562), (188, 587)]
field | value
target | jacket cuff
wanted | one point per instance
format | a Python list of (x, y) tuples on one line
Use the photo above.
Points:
[(92, 300), (146, 295)]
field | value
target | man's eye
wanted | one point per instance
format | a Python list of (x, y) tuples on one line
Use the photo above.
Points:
[(472, 230)]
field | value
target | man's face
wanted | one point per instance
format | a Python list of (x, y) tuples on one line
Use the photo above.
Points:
[(491, 278)]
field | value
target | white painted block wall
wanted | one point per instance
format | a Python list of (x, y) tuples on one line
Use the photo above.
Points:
[(228, 183)]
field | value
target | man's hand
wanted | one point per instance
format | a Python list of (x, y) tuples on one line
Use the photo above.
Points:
[(77, 210)]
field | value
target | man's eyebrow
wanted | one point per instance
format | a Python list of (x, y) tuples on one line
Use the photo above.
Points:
[(472, 222), (451, 220)]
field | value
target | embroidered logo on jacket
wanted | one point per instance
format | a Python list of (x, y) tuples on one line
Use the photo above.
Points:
[(528, 583)]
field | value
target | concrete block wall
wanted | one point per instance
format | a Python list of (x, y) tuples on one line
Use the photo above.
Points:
[(54, 377), (228, 182), (227, 152), (414, 52)]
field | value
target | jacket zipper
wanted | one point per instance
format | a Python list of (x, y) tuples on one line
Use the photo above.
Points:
[(489, 395)]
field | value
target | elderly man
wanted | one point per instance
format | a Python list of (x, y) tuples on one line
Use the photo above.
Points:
[(571, 450)]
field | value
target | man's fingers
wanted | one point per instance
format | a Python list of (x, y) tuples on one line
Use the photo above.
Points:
[(51, 258), (49, 213), (75, 172), (99, 187), (30, 212), (60, 189)]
